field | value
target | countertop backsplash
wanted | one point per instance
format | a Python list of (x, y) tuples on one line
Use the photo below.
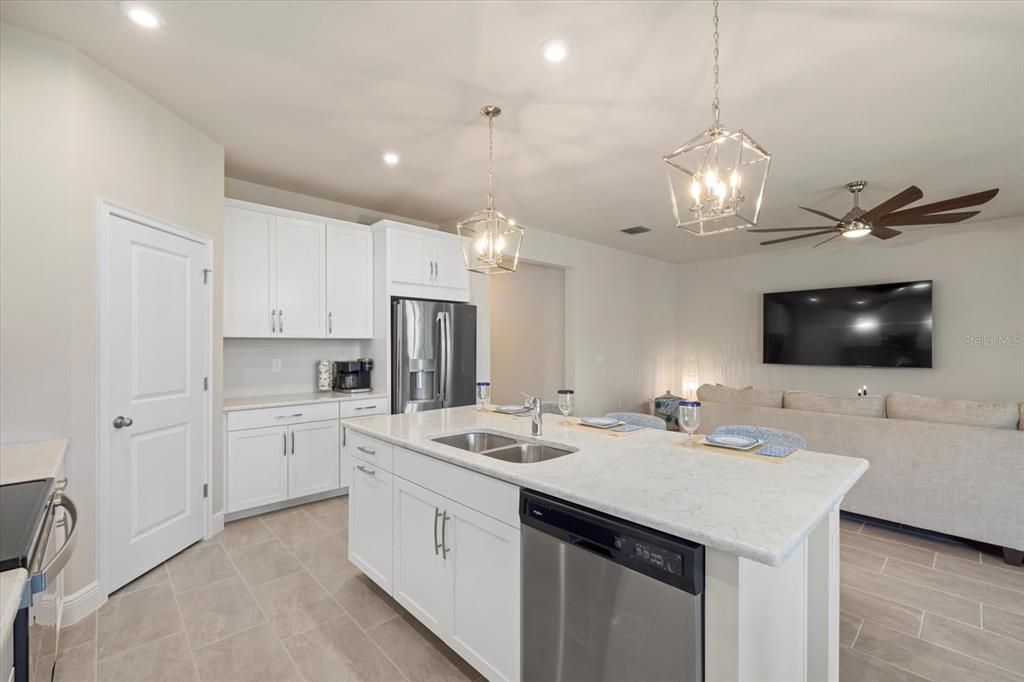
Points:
[(248, 364)]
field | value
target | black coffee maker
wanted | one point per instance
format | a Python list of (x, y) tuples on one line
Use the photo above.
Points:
[(353, 376)]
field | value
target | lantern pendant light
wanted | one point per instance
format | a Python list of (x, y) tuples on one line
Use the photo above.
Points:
[(717, 179), (491, 241)]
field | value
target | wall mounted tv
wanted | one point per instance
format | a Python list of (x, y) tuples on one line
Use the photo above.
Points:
[(876, 325)]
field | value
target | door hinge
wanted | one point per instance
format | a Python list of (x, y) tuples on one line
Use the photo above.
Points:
[(206, 490), (206, 275), (206, 383)]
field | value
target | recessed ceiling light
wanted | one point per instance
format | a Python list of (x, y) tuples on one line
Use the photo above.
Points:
[(555, 50), (143, 15), (391, 158)]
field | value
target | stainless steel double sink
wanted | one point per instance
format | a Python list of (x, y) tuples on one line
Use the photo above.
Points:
[(507, 448)]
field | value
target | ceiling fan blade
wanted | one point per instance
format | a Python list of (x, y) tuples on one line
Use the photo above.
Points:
[(822, 214), (907, 196), (902, 218), (791, 229), (799, 236), (826, 241), (883, 232), (967, 200)]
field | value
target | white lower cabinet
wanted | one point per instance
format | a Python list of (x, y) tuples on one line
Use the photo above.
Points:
[(257, 467), (281, 453), (369, 522), (314, 465), (453, 567)]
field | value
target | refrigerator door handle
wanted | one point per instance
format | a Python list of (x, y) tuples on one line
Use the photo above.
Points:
[(442, 357), (448, 360)]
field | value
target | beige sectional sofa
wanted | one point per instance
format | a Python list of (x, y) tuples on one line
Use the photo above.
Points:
[(955, 467)]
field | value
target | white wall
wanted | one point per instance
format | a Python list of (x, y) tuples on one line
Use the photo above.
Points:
[(978, 269), (73, 132), (248, 363), (527, 333)]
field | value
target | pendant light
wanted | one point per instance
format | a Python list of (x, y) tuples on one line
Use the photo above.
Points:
[(491, 241), (717, 179)]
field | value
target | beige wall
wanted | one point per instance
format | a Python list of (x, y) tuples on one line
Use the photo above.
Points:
[(72, 133), (978, 269), (527, 333)]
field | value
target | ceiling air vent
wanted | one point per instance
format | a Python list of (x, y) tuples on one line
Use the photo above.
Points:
[(636, 229)]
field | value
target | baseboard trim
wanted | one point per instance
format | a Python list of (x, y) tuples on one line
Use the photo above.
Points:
[(80, 604), (216, 524)]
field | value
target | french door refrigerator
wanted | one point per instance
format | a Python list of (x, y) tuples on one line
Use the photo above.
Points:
[(433, 355)]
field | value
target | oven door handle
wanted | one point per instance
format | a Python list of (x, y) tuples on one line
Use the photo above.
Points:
[(50, 571)]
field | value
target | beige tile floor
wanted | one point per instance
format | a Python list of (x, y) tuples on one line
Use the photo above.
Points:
[(272, 598), (275, 598)]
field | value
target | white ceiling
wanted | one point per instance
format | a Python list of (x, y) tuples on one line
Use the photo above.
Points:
[(306, 95)]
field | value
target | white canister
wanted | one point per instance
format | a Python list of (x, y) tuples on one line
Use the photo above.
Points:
[(324, 375)]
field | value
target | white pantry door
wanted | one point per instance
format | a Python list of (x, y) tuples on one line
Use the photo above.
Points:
[(156, 335)]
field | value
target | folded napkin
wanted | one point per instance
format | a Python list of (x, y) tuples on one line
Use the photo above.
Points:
[(776, 450)]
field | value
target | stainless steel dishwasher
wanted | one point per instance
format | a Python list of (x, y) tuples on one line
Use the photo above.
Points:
[(606, 599)]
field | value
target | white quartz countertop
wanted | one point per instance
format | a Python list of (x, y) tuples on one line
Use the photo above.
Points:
[(288, 399), (31, 461), (759, 510)]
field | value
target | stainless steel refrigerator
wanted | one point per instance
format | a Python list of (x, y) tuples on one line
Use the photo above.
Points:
[(433, 355)]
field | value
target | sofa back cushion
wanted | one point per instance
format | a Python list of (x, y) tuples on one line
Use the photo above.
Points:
[(861, 406), (966, 412), (743, 396)]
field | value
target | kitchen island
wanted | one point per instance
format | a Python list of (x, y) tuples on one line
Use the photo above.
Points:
[(769, 529)]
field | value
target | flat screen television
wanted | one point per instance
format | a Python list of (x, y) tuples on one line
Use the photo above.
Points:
[(876, 325)]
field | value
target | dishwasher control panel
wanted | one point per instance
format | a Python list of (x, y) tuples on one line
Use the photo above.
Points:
[(650, 554)]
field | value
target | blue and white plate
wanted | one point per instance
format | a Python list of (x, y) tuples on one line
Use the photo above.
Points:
[(601, 422), (733, 442)]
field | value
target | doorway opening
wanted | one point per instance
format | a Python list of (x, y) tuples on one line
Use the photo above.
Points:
[(527, 311)]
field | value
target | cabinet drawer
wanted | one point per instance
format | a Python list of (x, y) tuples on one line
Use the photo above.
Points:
[(487, 495), (363, 408), (281, 416), (369, 450)]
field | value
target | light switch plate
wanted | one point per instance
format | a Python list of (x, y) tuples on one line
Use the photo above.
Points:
[(275, 365)]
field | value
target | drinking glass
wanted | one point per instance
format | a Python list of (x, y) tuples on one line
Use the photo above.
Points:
[(483, 395), (689, 417), (566, 398)]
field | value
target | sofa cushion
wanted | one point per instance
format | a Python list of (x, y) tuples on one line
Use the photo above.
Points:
[(861, 406), (744, 396), (966, 412)]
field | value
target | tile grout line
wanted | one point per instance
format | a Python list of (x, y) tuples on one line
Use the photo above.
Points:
[(347, 613), (184, 632), (953, 575), (856, 636), (942, 646)]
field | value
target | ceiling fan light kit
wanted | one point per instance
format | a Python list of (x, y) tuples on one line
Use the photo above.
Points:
[(879, 220), (717, 179), (492, 241)]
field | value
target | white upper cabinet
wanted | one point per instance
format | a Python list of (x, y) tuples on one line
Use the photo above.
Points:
[(449, 265), (300, 278), (412, 257), (249, 295), (349, 281), (425, 263), (289, 275)]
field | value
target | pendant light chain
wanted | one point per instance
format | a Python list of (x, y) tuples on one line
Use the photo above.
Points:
[(490, 163), (714, 103)]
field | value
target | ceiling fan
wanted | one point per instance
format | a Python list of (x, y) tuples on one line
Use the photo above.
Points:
[(879, 220)]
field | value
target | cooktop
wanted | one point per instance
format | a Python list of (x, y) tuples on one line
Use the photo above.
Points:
[(22, 511)]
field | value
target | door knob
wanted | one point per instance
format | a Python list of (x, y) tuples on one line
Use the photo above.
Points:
[(121, 422)]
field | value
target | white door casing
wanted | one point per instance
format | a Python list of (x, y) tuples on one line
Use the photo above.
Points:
[(155, 328)]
